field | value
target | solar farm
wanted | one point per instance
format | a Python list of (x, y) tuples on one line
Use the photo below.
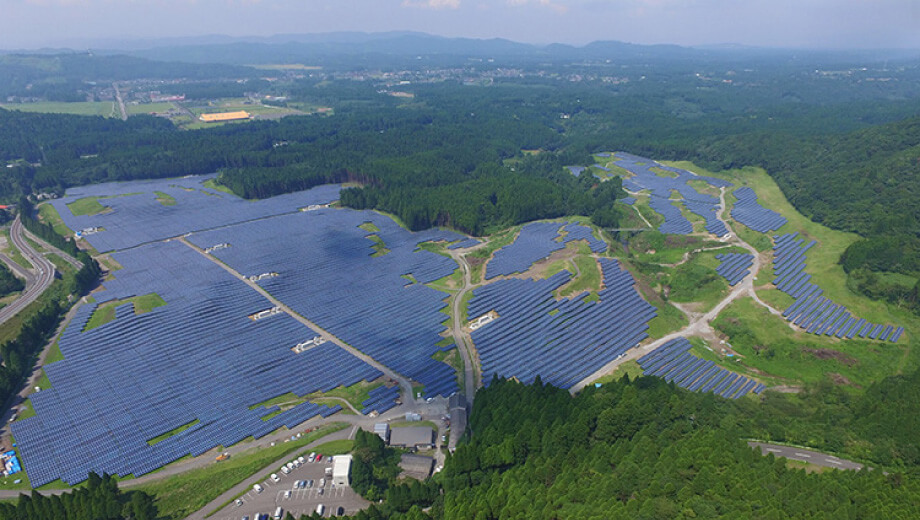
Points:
[(812, 311), (661, 188), (202, 364), (674, 362), (272, 298), (561, 340)]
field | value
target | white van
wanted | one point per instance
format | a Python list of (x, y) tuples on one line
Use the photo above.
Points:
[(320, 509), (279, 512)]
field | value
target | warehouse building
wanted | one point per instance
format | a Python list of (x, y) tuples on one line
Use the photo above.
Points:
[(224, 116), (412, 437), (341, 467)]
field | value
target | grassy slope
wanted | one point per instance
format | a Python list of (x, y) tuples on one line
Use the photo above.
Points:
[(874, 359), (180, 495)]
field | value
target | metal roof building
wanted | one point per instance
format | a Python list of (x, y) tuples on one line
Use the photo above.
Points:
[(412, 437), (341, 467), (224, 116)]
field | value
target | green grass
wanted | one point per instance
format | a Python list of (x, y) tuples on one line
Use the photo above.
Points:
[(435, 247), (697, 281), (776, 298), (54, 354), (652, 216), (450, 283), (370, 227), (181, 495), (174, 431), (106, 312), (86, 206), (669, 318), (213, 185), (380, 248), (165, 198), (49, 215), (767, 344), (335, 447), (630, 368), (80, 108), (354, 394), (14, 253), (589, 278), (147, 108)]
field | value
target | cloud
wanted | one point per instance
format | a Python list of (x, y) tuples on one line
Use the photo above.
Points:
[(432, 4), (557, 7)]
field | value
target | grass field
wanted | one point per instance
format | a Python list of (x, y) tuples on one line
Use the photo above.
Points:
[(165, 198), (147, 108), (212, 184), (588, 278), (823, 257), (86, 206), (180, 495), (630, 368), (106, 312), (354, 394), (768, 345), (82, 108), (49, 214)]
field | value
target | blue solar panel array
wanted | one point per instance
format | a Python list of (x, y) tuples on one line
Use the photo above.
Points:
[(380, 399), (674, 362), (198, 358), (576, 170), (563, 341), (661, 187), (750, 213), (469, 242), (628, 200), (537, 241), (136, 217), (812, 311), (326, 273), (734, 267)]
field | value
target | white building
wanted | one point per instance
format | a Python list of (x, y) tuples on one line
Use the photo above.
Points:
[(341, 467)]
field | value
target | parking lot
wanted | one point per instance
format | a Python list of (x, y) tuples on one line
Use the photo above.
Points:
[(296, 500)]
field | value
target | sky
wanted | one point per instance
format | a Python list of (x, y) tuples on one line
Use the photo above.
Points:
[(26, 24)]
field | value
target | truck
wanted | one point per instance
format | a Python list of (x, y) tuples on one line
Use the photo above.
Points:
[(223, 456)]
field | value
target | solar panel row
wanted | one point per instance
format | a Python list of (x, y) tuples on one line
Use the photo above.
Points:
[(198, 358), (662, 186), (135, 216), (750, 213), (563, 341), (734, 267), (537, 241), (674, 362), (811, 310)]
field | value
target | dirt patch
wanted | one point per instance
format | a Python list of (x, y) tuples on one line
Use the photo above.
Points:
[(841, 380), (826, 353), (786, 389), (539, 270)]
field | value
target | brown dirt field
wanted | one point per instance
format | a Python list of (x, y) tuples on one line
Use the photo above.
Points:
[(826, 353)]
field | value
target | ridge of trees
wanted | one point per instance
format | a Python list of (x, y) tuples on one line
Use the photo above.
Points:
[(99, 499)]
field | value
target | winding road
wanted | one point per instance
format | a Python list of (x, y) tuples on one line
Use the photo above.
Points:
[(43, 273)]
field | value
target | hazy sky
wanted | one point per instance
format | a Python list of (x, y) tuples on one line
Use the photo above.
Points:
[(783, 23)]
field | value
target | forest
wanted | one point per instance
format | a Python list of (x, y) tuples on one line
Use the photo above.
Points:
[(99, 499), (645, 449)]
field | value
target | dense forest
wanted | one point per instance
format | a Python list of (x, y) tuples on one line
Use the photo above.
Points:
[(646, 449), (99, 499)]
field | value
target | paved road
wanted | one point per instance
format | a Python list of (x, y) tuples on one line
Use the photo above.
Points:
[(801, 454), (472, 377), (53, 250), (43, 277), (121, 102)]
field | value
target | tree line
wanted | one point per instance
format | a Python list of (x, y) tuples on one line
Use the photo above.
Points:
[(99, 499)]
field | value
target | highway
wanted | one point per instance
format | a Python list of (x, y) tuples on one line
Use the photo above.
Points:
[(43, 273), (803, 455)]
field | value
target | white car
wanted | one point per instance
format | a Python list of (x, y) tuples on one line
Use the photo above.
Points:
[(301, 459), (287, 494), (275, 477), (257, 488)]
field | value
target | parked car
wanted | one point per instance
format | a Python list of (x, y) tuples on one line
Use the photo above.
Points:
[(275, 477)]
